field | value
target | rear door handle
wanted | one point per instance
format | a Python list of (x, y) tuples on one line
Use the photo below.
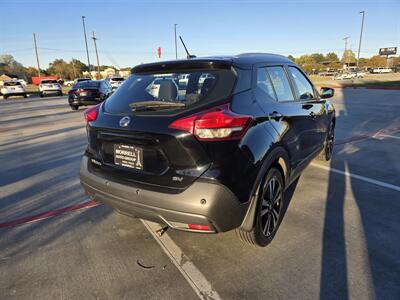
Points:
[(275, 116)]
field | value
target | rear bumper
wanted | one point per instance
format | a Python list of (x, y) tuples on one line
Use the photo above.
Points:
[(221, 211), (55, 91), (84, 101), (14, 94)]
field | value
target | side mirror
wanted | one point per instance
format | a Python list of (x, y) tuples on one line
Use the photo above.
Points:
[(326, 92)]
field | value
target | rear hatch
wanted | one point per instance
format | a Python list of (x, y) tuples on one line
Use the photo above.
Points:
[(86, 89), (139, 135)]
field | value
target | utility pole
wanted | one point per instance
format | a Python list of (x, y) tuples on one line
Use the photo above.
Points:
[(176, 46), (97, 55), (361, 33), (345, 50), (37, 55), (73, 67), (87, 50)]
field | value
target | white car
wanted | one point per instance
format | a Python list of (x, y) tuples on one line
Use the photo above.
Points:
[(381, 70), (69, 83), (13, 88), (115, 82), (49, 86), (345, 76)]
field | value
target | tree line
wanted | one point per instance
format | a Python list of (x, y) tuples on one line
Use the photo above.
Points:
[(68, 70), (311, 63), (316, 62)]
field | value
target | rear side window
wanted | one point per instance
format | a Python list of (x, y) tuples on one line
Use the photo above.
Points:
[(303, 87), (281, 83), (165, 93), (264, 85), (88, 84)]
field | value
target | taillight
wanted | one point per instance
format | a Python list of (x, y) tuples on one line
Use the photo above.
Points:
[(91, 113), (219, 123)]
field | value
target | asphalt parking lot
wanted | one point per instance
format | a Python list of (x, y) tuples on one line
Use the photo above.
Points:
[(340, 237)]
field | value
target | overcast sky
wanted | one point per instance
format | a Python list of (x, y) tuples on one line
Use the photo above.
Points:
[(129, 32)]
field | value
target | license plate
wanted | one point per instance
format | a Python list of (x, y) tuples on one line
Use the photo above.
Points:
[(83, 94), (128, 156)]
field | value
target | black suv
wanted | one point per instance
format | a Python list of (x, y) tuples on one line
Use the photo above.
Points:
[(207, 144), (88, 92)]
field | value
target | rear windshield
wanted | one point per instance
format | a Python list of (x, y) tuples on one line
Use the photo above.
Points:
[(49, 81), (14, 83), (87, 84), (117, 79), (165, 92)]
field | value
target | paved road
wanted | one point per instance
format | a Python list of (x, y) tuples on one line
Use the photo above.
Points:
[(339, 238)]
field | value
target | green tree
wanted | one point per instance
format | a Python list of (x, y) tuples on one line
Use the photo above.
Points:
[(291, 58), (318, 57), (348, 56), (331, 57), (377, 61)]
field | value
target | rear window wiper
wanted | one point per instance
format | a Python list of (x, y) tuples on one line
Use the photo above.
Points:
[(155, 105)]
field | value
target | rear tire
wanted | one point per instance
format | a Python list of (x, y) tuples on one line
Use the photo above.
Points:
[(41, 95), (5, 97), (74, 107), (60, 94), (25, 95), (269, 210), (326, 153)]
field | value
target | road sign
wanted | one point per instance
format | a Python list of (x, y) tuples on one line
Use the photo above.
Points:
[(159, 52), (388, 51)]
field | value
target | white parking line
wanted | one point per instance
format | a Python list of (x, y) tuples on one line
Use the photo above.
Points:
[(390, 136), (359, 177), (193, 276)]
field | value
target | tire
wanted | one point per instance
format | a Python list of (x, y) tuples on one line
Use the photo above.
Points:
[(269, 210), (326, 153), (74, 107), (25, 95), (5, 97), (60, 94), (41, 95)]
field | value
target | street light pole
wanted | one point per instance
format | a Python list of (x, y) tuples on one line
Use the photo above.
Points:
[(359, 44), (87, 50), (345, 50), (176, 46)]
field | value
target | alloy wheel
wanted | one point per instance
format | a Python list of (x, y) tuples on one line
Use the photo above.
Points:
[(271, 203)]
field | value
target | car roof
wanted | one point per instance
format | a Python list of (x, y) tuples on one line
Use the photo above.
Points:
[(244, 60)]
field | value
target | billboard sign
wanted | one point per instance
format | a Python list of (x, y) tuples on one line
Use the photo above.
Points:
[(388, 51)]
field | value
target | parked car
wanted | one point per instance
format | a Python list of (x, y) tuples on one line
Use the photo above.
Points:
[(115, 82), (381, 70), (69, 82), (13, 88), (350, 75), (216, 157), (88, 92), (49, 87)]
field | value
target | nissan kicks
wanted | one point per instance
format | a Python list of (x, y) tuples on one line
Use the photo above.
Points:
[(212, 155)]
